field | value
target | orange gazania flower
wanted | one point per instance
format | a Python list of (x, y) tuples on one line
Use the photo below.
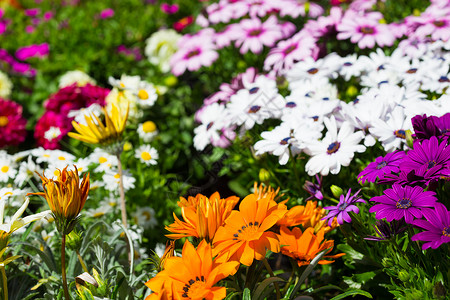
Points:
[(245, 235), (191, 276), (309, 215), (66, 197), (304, 247), (202, 216)]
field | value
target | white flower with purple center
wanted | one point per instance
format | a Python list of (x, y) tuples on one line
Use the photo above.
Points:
[(211, 126), (336, 149)]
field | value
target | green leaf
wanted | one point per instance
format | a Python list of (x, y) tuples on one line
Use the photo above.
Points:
[(352, 293), (246, 295), (265, 283)]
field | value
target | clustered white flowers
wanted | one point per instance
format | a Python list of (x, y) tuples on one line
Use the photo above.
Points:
[(313, 118)]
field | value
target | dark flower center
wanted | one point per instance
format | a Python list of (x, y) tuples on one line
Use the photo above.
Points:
[(333, 147), (443, 79), (285, 141), (210, 124), (348, 64), (343, 206), (290, 49), (313, 71), (253, 90), (255, 32), (412, 71), (439, 23), (404, 203), (247, 231), (431, 164), (400, 133), (193, 53), (446, 231), (191, 283), (367, 30), (291, 104), (315, 118), (254, 109), (381, 165)]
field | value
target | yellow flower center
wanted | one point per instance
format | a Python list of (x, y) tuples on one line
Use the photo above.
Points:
[(102, 160), (148, 126), (195, 288), (122, 85), (117, 176), (8, 194), (147, 215), (146, 156), (143, 95), (4, 169), (46, 155), (3, 121), (56, 173), (61, 158), (98, 214)]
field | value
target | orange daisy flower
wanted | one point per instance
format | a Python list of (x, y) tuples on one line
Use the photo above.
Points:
[(304, 247), (191, 276), (245, 235), (309, 215), (202, 216)]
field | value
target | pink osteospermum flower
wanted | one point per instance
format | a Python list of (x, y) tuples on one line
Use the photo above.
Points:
[(365, 31), (252, 35), (12, 124), (194, 52)]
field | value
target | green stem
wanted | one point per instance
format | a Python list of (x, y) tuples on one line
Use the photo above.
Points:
[(83, 265), (63, 267), (123, 206), (269, 269), (294, 166), (5, 283)]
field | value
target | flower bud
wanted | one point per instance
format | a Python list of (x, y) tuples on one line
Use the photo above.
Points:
[(171, 81), (403, 275), (264, 175), (74, 240), (337, 191)]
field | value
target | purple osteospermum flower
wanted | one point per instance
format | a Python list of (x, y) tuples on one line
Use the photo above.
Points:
[(314, 189), (425, 127), (428, 157), (381, 165), (386, 230), (443, 123), (403, 202), (345, 205), (437, 227)]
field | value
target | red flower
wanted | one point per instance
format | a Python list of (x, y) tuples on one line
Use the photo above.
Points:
[(12, 124), (183, 23)]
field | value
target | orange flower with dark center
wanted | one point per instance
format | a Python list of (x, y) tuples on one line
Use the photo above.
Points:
[(309, 215), (202, 216), (303, 247), (191, 276), (245, 235)]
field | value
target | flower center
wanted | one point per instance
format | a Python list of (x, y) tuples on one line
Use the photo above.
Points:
[(210, 124), (143, 95), (313, 71), (255, 32), (193, 53), (290, 49), (400, 133), (61, 158), (348, 64), (404, 203), (439, 23), (194, 288), (254, 109), (285, 141), (343, 206), (4, 169), (366, 30), (148, 126), (3, 121), (333, 147), (102, 160), (381, 165), (146, 156), (291, 104), (443, 79), (248, 232), (253, 90), (446, 231), (431, 164), (412, 71)]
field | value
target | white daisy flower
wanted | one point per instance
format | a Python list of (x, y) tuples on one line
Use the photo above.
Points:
[(7, 168), (76, 76), (98, 212), (160, 47), (145, 217), (27, 170), (105, 161), (147, 154), (125, 82), (277, 142), (5, 85), (111, 181), (336, 149), (392, 132), (147, 131), (146, 94), (212, 124), (80, 115)]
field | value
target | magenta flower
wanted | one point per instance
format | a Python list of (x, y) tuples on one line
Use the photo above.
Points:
[(32, 12), (50, 129), (40, 50), (381, 166), (169, 9), (29, 29), (12, 124), (365, 30), (183, 23), (403, 202), (106, 13), (195, 51), (345, 205), (437, 227), (252, 35), (314, 189), (48, 15)]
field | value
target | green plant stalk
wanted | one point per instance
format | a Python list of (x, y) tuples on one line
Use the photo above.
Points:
[(5, 283), (269, 269), (63, 267), (83, 265), (123, 206)]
